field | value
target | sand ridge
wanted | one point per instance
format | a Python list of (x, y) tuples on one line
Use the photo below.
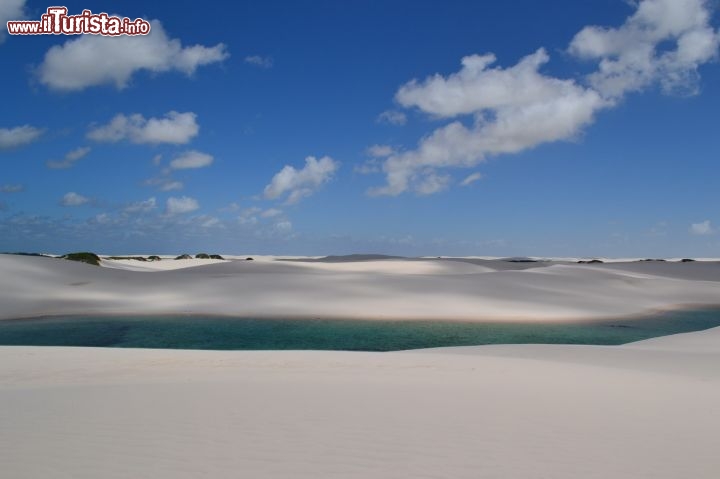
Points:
[(376, 289)]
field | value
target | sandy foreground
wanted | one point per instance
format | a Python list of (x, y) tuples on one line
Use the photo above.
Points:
[(644, 410), (459, 289)]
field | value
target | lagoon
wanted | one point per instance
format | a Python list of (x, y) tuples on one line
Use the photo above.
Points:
[(226, 333)]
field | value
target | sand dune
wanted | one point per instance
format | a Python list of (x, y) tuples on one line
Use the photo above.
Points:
[(647, 409), (492, 412), (376, 289)]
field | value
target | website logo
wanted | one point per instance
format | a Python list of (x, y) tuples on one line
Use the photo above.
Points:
[(57, 22)]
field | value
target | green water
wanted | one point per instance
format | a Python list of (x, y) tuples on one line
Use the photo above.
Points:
[(198, 332)]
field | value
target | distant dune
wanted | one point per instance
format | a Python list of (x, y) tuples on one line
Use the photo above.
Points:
[(354, 287)]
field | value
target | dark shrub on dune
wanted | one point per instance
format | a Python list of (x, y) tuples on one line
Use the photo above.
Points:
[(154, 258), (216, 256), (248, 259), (83, 257), (687, 260), (135, 258), (184, 256), (202, 256), (592, 261)]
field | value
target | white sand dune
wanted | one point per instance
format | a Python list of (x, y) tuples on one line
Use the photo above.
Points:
[(377, 289), (163, 265), (641, 410)]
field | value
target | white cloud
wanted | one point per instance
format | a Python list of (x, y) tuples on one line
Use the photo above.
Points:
[(470, 179), (259, 61), (392, 117), (70, 158), (18, 136), (514, 109), (271, 213), (183, 204), (664, 41), (92, 60), (165, 183), (370, 166), (211, 222), (141, 206), (190, 160), (10, 10), (304, 182), (432, 183), (11, 188), (380, 151), (171, 186), (73, 199), (248, 215), (704, 228), (102, 218), (174, 128), (283, 227), (517, 108)]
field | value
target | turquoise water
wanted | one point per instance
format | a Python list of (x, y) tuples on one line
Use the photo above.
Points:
[(198, 332)]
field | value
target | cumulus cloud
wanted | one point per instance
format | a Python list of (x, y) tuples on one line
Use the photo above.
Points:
[(248, 216), (141, 206), (92, 60), (73, 199), (470, 179), (380, 151), (370, 166), (664, 41), (303, 182), (18, 136), (164, 183), (183, 204), (271, 213), (514, 109), (283, 227), (11, 188), (392, 117), (190, 160), (10, 10), (70, 158), (704, 228), (259, 61), (174, 128)]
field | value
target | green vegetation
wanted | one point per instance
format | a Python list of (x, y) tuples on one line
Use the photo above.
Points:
[(216, 256), (83, 257), (184, 256), (154, 258), (136, 258), (202, 256)]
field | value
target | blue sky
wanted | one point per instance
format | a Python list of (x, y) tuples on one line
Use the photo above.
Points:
[(325, 127)]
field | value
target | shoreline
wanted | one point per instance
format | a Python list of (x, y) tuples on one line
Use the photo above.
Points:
[(651, 313)]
